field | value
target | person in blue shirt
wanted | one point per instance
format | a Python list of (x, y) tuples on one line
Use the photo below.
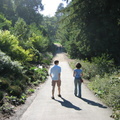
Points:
[(55, 73), (77, 74)]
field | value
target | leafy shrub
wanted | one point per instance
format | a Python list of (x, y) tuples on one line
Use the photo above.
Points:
[(47, 57), (104, 64), (4, 23), (4, 83), (1, 95), (10, 45), (107, 88), (98, 66), (15, 91), (38, 74), (21, 83), (29, 91), (89, 69), (15, 100), (21, 30), (40, 42), (7, 66)]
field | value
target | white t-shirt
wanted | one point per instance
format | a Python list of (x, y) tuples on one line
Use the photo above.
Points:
[(55, 70)]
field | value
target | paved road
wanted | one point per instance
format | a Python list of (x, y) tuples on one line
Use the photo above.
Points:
[(68, 107)]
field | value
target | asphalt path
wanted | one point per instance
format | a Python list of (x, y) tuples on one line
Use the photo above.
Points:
[(68, 107)]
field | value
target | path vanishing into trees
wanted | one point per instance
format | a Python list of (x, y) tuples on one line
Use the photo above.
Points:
[(69, 107)]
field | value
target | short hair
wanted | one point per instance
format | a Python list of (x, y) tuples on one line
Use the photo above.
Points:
[(56, 61), (78, 65)]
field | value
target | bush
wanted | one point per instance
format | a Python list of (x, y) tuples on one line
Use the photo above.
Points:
[(98, 66), (89, 69), (107, 88), (40, 42), (15, 100), (15, 91), (104, 64), (10, 45), (4, 83), (7, 66), (38, 74), (1, 95)]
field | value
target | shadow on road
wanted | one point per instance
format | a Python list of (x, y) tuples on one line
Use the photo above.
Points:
[(67, 104), (93, 103)]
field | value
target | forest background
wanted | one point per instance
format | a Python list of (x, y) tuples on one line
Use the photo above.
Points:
[(88, 30)]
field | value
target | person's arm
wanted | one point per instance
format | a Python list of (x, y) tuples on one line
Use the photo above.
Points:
[(59, 75), (51, 73), (74, 74)]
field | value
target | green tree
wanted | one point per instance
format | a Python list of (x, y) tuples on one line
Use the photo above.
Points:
[(95, 26), (10, 45), (29, 10), (21, 30), (7, 8), (4, 23)]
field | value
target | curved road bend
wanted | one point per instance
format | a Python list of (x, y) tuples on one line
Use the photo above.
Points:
[(68, 107)]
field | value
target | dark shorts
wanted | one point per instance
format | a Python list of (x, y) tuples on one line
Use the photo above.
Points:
[(58, 82)]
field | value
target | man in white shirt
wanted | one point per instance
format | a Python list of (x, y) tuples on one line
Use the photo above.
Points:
[(55, 73)]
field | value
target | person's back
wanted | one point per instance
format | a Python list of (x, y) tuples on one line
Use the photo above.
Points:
[(55, 70), (55, 73), (78, 73)]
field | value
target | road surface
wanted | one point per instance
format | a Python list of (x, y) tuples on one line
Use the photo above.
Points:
[(68, 107)]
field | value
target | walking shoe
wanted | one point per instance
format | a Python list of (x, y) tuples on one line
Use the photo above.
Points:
[(59, 95), (52, 97), (75, 95)]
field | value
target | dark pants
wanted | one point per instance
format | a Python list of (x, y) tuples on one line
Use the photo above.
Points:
[(77, 90)]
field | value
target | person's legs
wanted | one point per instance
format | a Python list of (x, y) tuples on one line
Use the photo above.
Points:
[(79, 89), (53, 88), (75, 89), (59, 89)]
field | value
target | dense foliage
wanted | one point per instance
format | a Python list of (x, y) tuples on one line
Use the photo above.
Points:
[(25, 50), (91, 28)]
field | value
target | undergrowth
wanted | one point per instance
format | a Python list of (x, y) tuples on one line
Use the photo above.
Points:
[(104, 80)]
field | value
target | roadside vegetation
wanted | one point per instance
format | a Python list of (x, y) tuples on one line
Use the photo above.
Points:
[(104, 81), (26, 51)]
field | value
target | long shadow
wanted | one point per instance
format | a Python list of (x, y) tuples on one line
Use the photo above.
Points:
[(93, 103), (67, 104)]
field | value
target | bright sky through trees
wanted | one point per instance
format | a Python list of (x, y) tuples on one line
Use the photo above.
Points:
[(50, 6)]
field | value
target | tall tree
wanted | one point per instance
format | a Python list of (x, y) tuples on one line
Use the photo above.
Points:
[(7, 8), (94, 26), (29, 10)]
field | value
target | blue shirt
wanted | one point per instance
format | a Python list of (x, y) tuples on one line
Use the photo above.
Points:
[(55, 71), (78, 73)]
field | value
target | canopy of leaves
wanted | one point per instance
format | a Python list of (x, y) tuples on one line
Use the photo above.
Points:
[(93, 27)]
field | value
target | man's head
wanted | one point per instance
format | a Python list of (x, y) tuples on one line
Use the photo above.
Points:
[(56, 62)]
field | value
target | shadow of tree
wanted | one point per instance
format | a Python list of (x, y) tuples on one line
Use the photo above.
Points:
[(67, 104), (93, 103)]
